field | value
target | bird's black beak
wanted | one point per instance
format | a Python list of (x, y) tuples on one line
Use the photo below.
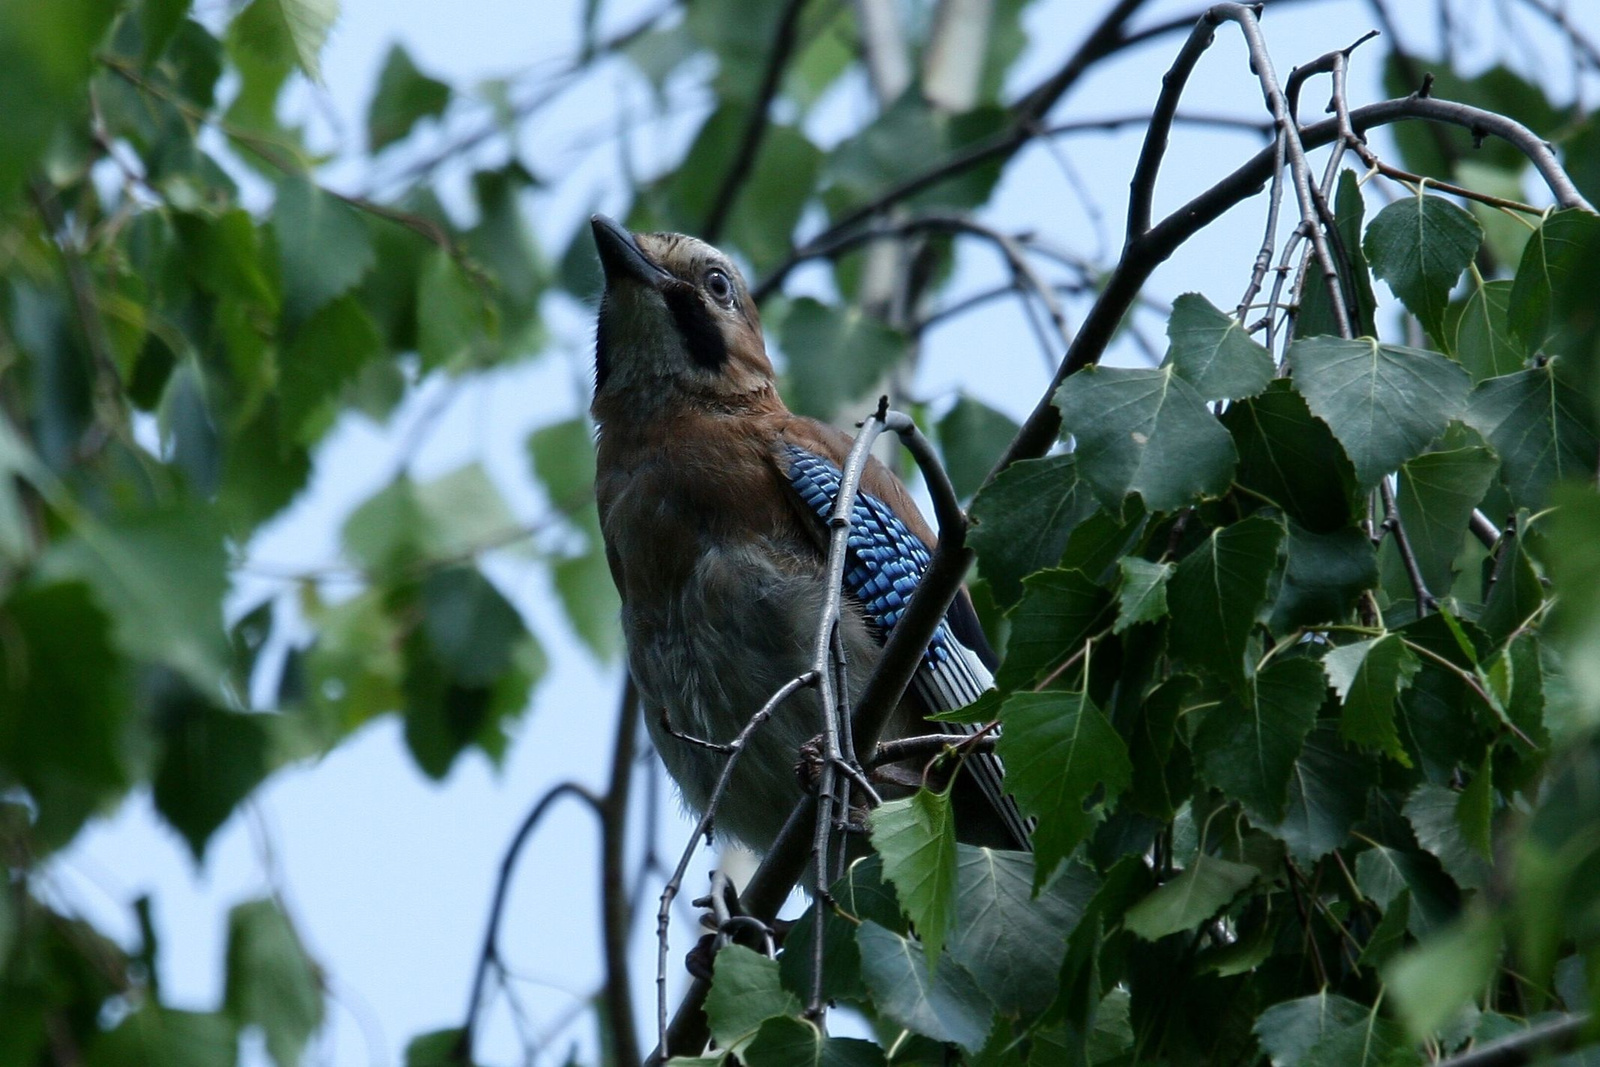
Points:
[(620, 255)]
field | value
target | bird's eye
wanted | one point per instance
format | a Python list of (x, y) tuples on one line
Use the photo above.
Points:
[(720, 286)]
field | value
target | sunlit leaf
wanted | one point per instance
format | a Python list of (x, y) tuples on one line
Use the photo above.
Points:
[(916, 837)]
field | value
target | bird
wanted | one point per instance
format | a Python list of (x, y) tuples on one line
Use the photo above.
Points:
[(714, 501)]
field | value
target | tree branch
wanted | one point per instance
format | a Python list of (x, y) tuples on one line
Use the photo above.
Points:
[(755, 129), (1534, 1043), (489, 955), (616, 907)]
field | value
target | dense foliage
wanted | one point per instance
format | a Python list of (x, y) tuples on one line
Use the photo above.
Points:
[(1316, 779)]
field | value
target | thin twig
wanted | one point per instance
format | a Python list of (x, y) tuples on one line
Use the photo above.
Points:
[(701, 830), (489, 954)]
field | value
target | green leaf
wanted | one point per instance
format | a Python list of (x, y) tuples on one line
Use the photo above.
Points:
[(1420, 245), (1218, 590), (452, 318), (456, 515), (64, 707), (1291, 458), (1206, 887), (1484, 342), (1368, 675), (403, 98), (1373, 1042), (271, 981), (1022, 520), (210, 761), (916, 836), (1572, 558), (1383, 873), (1147, 432), (468, 668), (437, 1048), (1327, 796), (1515, 590), (745, 992), (158, 21), (972, 436), (1291, 1028), (1558, 253), (289, 29), (1324, 577), (46, 55), (1248, 748), (1541, 428), (326, 354), (835, 355), (323, 244), (1384, 403), (1059, 611), (944, 1004), (157, 1036), (224, 257), (1212, 352), (563, 458), (503, 247), (1431, 811), (161, 577), (1058, 748), (1389, 936), (789, 1042), (1438, 492), (1011, 941), (589, 595), (1443, 975), (1142, 594), (861, 894)]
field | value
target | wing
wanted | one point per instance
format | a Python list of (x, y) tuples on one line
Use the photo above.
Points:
[(884, 564)]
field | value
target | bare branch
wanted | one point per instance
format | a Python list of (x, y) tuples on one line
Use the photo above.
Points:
[(489, 955), (1143, 186)]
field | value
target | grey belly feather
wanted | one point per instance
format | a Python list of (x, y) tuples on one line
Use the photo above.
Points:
[(741, 628)]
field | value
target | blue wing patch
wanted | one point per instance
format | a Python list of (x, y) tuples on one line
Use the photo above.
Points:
[(885, 561)]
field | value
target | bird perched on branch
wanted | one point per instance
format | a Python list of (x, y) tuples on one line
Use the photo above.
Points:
[(714, 501)]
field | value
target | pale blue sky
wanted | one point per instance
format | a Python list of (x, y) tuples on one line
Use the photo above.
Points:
[(389, 875)]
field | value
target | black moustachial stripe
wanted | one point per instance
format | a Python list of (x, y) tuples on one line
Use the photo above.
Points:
[(700, 333)]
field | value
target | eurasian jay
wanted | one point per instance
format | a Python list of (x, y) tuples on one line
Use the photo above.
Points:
[(714, 500)]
